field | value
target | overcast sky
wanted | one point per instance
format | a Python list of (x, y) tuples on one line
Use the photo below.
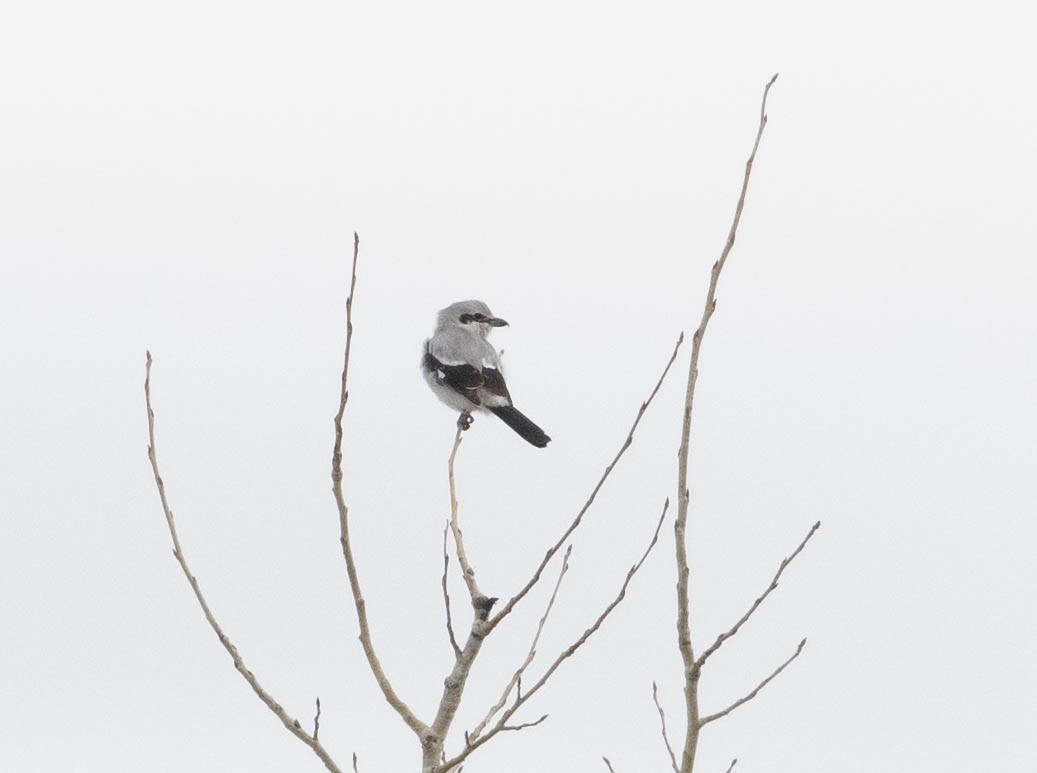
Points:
[(186, 177)]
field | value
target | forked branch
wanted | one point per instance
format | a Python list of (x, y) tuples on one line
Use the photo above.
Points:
[(516, 678), (522, 698), (684, 639), (464, 657), (760, 599), (746, 698)]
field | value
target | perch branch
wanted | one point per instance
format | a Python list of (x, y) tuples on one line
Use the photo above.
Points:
[(290, 723), (467, 571), (684, 641)]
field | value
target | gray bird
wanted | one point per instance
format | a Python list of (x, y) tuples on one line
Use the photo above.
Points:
[(464, 370)]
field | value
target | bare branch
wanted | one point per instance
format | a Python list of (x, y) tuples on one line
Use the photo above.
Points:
[(394, 700), (662, 723), (597, 623), (756, 604), (355, 769), (608, 764), (316, 721), (506, 609), (446, 597), (732, 765), (524, 725), (745, 699), (684, 641), (289, 722), (516, 679), (520, 700)]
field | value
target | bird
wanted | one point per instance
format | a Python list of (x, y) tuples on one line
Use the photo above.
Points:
[(464, 370)]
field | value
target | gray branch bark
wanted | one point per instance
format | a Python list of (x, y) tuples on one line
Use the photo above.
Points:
[(692, 670)]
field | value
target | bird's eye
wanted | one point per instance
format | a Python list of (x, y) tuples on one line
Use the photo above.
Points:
[(466, 318)]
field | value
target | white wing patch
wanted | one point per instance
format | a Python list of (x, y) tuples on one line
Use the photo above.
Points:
[(448, 361)]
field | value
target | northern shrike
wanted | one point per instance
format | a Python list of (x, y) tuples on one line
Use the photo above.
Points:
[(464, 370)]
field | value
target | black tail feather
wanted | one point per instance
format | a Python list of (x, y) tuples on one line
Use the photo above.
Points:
[(515, 419)]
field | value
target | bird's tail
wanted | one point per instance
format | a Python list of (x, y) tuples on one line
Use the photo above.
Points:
[(515, 419)]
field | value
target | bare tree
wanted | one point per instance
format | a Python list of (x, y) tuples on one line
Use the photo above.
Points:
[(432, 735)]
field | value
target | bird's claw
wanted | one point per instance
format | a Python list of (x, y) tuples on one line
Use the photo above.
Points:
[(464, 421)]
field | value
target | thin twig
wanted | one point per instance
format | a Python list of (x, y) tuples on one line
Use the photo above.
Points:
[(292, 724), (446, 597), (520, 700), (316, 721), (732, 765), (608, 764), (516, 679), (684, 641), (760, 599), (391, 697), (355, 768), (510, 605), (662, 723), (746, 698), (524, 725)]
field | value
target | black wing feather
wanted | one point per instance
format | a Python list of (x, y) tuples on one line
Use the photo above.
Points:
[(493, 382), (463, 379)]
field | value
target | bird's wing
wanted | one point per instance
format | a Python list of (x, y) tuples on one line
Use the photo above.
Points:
[(469, 365), (463, 378)]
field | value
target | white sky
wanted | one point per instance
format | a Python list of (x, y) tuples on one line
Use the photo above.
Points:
[(185, 177)]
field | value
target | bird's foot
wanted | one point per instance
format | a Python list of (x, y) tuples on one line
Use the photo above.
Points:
[(464, 421)]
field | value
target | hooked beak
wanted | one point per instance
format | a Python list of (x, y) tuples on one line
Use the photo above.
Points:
[(496, 322)]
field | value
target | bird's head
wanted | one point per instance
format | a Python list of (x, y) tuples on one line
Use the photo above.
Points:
[(473, 315)]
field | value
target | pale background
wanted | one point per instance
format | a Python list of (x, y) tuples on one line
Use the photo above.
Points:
[(186, 176)]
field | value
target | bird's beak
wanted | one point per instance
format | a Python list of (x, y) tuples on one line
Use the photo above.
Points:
[(496, 322)]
